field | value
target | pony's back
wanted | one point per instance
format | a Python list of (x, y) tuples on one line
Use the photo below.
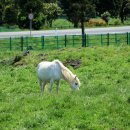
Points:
[(48, 70)]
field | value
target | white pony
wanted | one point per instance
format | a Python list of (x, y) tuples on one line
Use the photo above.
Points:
[(54, 71)]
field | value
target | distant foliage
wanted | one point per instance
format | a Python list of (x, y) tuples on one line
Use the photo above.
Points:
[(10, 15), (38, 21), (51, 12), (116, 21), (95, 22), (1, 13), (34, 7), (76, 11), (106, 16), (22, 21)]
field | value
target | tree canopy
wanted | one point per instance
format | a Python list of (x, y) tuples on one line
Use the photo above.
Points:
[(45, 11), (117, 8)]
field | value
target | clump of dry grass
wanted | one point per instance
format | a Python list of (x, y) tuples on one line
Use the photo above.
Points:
[(95, 22)]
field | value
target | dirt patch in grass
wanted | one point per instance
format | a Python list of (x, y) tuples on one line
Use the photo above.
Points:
[(16, 61), (74, 63)]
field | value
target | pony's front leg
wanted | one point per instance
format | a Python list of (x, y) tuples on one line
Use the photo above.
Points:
[(51, 83), (42, 85), (57, 86)]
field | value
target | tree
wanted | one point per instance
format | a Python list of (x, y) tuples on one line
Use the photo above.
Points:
[(117, 8), (51, 11), (28, 6), (107, 5), (10, 15), (8, 12), (105, 16), (1, 14), (78, 11), (125, 9)]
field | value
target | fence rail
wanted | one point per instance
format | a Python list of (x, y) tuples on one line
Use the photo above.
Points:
[(56, 42)]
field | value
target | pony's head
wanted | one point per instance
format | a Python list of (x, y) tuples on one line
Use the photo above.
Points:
[(75, 84)]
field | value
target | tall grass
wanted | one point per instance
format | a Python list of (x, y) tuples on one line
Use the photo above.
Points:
[(102, 103)]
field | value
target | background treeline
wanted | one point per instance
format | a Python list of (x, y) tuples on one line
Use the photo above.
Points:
[(15, 12)]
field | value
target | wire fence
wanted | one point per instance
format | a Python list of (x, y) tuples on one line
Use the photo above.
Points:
[(57, 42)]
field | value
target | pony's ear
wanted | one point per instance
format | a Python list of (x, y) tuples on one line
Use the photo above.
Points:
[(75, 77)]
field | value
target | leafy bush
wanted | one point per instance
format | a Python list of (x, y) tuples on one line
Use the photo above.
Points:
[(37, 22), (105, 16), (62, 23), (95, 22), (23, 22), (10, 15), (1, 13), (115, 22)]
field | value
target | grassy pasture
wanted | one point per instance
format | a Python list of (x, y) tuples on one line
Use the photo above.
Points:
[(102, 103)]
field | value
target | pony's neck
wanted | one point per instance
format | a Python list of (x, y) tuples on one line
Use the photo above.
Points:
[(66, 73)]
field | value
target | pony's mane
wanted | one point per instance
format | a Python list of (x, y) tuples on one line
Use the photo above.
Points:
[(67, 74)]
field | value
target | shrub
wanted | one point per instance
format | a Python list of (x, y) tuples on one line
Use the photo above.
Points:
[(10, 15), (23, 22), (1, 13), (115, 22), (37, 22), (96, 22), (105, 16)]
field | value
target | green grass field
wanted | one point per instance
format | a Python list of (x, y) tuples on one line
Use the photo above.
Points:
[(102, 103)]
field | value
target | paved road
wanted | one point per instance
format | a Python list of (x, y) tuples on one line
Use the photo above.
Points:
[(91, 31)]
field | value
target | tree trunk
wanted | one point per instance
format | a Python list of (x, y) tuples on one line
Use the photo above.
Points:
[(75, 25), (50, 23), (83, 31), (122, 16), (122, 12)]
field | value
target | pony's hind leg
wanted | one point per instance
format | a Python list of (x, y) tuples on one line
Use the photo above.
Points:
[(51, 83), (57, 85), (41, 85)]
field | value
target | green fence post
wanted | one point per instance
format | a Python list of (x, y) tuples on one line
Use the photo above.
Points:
[(108, 39), (127, 41), (73, 40), (116, 38), (27, 42), (87, 43), (10, 43), (82, 40), (65, 40), (129, 38), (21, 43), (101, 40), (57, 42), (42, 42), (85, 40)]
